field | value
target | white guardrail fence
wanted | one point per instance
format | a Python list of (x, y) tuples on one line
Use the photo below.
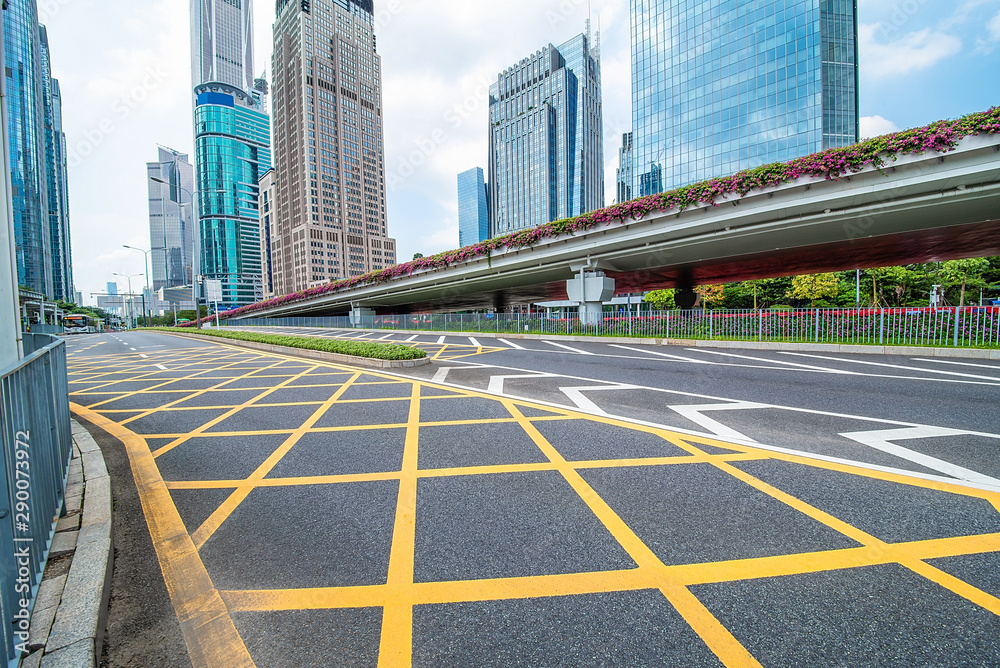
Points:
[(968, 327)]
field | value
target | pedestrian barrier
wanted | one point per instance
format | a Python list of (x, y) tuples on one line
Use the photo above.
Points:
[(962, 327), (36, 446)]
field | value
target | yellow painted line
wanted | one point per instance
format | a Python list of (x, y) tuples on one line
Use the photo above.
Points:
[(722, 643), (466, 591), (212, 524), (211, 423), (396, 645), (209, 633), (953, 584)]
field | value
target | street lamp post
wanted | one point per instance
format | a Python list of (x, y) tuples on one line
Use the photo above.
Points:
[(145, 313), (131, 296)]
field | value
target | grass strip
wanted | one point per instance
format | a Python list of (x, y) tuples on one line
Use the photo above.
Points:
[(370, 350)]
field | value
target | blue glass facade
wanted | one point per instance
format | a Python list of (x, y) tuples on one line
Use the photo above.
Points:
[(546, 138), (719, 87), (56, 180), (473, 211), (232, 154), (29, 167)]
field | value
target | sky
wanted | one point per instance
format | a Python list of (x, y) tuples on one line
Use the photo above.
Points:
[(124, 68)]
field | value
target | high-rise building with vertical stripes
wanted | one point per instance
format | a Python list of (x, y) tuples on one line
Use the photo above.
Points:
[(329, 197), (222, 42), (546, 137), (722, 87), (38, 160), (171, 219)]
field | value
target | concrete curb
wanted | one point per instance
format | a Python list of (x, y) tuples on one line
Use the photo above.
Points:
[(967, 353), (70, 613), (310, 354)]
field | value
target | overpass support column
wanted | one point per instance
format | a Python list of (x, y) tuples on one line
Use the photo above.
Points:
[(358, 314), (590, 289)]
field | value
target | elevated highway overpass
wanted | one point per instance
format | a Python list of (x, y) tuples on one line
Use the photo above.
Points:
[(921, 208)]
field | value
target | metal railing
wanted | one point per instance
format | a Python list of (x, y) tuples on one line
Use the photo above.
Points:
[(965, 327), (36, 446)]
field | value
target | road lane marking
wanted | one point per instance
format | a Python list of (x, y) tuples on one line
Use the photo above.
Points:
[(764, 359), (584, 403), (145, 357), (881, 440), (387, 336), (980, 366), (497, 382), (475, 343), (894, 366), (678, 358), (695, 414), (441, 339), (572, 350), (412, 338), (209, 632), (511, 344)]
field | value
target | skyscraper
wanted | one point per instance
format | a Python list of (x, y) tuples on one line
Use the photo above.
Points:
[(473, 212), (56, 179), (624, 176), (328, 151), (28, 159), (267, 230), (722, 87), (222, 42), (233, 151), (171, 219), (546, 137)]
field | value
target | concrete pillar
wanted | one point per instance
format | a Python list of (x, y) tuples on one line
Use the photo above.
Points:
[(358, 314), (590, 289)]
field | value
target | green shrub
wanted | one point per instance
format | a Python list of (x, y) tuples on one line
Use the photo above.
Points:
[(369, 349)]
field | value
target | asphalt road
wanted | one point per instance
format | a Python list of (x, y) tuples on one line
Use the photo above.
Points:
[(525, 503)]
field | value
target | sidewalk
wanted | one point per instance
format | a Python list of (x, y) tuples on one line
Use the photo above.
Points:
[(67, 621)]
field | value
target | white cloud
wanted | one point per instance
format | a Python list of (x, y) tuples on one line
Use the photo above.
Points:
[(985, 46), (910, 53), (876, 126)]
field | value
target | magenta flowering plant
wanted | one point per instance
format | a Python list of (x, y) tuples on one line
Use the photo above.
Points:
[(832, 164)]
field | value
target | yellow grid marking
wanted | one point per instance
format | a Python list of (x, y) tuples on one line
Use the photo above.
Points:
[(204, 612)]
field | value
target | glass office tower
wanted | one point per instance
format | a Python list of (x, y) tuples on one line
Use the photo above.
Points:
[(171, 219), (56, 179), (28, 163), (222, 42), (546, 137), (233, 149), (473, 211), (722, 87)]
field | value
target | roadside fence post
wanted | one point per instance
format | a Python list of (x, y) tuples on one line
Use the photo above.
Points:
[(958, 314), (817, 325), (881, 326)]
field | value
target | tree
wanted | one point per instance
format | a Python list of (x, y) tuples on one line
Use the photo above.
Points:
[(661, 300), (417, 256), (814, 286), (965, 273), (711, 294)]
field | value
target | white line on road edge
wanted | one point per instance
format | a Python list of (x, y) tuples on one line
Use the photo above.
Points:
[(895, 366), (764, 359), (572, 350), (160, 366), (980, 366), (441, 339), (679, 358), (511, 344), (880, 440), (694, 414)]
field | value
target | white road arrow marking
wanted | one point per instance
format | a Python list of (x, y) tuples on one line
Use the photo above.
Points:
[(880, 440), (695, 414), (576, 395)]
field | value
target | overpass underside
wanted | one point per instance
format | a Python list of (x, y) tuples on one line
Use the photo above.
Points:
[(923, 208)]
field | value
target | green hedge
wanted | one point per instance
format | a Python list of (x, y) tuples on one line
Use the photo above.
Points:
[(371, 350)]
